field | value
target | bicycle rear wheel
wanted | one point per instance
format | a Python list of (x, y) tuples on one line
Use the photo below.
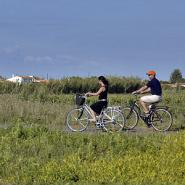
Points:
[(112, 120), (131, 117), (77, 120), (161, 119)]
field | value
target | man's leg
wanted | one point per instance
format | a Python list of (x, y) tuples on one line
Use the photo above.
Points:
[(145, 101), (145, 106)]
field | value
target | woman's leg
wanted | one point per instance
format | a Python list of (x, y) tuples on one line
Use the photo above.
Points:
[(93, 115)]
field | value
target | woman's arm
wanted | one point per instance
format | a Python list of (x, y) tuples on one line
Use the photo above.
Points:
[(96, 93)]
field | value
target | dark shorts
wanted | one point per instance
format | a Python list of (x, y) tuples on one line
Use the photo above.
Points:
[(98, 106)]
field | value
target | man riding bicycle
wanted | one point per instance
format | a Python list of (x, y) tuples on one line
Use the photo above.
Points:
[(154, 87)]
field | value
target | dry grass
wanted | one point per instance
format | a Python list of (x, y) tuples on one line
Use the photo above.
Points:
[(48, 114)]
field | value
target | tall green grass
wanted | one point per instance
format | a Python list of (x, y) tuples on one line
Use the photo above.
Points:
[(52, 110), (70, 85)]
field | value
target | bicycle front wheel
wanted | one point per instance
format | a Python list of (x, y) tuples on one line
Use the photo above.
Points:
[(77, 120), (161, 119), (131, 117), (113, 120)]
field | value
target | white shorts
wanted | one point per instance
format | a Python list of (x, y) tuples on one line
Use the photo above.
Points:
[(151, 98)]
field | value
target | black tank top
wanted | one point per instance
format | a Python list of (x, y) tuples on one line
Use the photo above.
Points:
[(103, 94)]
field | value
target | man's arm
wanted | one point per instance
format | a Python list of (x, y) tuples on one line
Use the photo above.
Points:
[(142, 90), (147, 90)]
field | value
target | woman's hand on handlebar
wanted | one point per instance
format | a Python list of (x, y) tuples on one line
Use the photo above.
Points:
[(87, 94)]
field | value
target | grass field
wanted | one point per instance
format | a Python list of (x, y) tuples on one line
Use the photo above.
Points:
[(51, 110), (36, 149)]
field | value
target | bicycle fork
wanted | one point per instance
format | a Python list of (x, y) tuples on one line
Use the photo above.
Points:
[(80, 115)]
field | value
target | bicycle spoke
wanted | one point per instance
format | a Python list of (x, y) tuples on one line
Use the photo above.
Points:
[(81, 124)]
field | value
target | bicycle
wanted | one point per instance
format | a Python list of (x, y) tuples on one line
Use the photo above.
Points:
[(159, 117), (109, 120)]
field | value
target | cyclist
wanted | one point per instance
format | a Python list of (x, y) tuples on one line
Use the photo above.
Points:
[(102, 93), (154, 87)]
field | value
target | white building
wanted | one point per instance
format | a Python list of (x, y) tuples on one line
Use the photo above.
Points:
[(21, 79)]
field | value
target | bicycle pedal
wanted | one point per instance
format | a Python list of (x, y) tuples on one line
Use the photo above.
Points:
[(98, 125)]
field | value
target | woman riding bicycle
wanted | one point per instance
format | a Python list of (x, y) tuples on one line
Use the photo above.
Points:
[(152, 86), (102, 93)]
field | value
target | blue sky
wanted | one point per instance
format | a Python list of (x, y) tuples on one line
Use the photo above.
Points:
[(92, 37)]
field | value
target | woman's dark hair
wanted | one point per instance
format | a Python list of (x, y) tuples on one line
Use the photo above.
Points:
[(104, 80)]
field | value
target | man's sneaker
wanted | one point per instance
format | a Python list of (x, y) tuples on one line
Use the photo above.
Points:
[(145, 118), (149, 125), (145, 115)]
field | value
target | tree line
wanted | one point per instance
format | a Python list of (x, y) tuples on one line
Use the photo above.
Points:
[(176, 76), (72, 85), (81, 85)]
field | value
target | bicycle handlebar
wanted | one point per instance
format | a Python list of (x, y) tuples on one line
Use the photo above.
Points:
[(135, 93), (82, 95)]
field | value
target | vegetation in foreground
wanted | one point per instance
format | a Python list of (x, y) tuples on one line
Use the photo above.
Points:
[(38, 156), (35, 149)]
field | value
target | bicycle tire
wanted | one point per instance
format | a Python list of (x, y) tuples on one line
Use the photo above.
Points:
[(131, 118), (116, 123), (77, 121), (161, 119)]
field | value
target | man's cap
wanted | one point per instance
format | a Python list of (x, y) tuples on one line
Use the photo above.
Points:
[(151, 73)]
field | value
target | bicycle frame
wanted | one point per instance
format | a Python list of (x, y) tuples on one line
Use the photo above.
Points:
[(87, 109), (154, 118), (135, 106), (103, 112), (109, 119), (152, 109)]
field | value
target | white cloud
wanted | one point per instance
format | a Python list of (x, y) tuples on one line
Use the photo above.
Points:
[(68, 64), (10, 50), (38, 59)]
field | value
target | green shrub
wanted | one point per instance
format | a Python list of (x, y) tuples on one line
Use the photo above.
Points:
[(36, 155)]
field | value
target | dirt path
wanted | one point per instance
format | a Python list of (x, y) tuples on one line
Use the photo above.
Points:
[(5, 125), (138, 130)]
